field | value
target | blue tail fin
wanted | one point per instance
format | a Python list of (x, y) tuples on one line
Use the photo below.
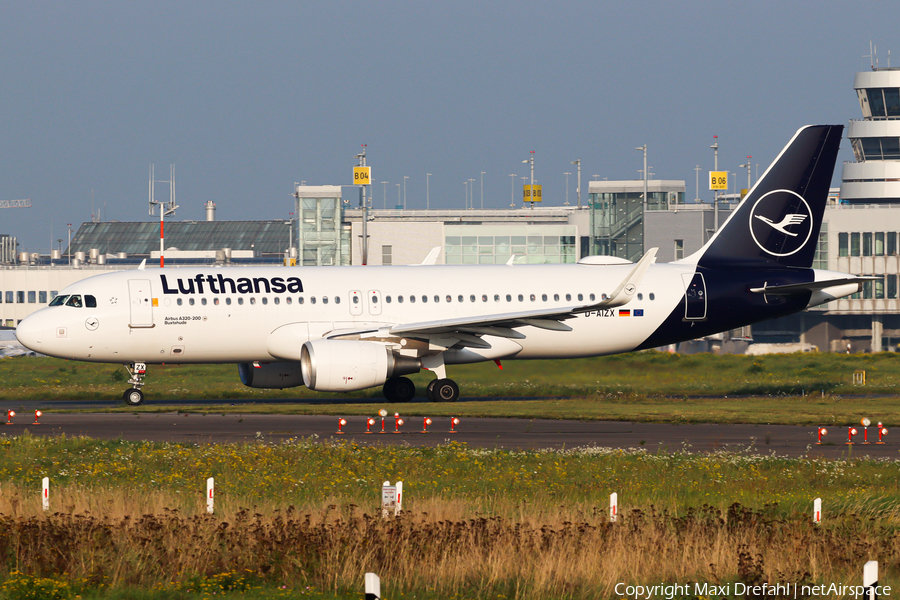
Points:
[(777, 223)]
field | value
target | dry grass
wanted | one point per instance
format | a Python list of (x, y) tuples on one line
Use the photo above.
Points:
[(123, 540)]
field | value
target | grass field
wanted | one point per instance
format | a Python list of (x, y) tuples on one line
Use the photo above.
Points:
[(296, 519), (802, 389)]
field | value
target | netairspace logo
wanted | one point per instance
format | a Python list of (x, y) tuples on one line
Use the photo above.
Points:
[(670, 591)]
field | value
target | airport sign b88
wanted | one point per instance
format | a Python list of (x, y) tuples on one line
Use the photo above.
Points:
[(532, 193), (718, 180), (362, 175)]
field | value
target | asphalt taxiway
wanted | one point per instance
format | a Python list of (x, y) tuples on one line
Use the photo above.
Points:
[(520, 434)]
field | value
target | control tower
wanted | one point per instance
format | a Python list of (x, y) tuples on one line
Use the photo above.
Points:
[(875, 176)]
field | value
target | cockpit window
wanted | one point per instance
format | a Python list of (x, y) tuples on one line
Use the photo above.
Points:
[(74, 301), (58, 301), (90, 301)]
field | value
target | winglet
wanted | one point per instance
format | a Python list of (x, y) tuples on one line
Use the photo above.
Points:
[(627, 289), (512, 260), (142, 265), (432, 257)]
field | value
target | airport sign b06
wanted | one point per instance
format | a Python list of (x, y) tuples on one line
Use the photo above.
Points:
[(718, 180)]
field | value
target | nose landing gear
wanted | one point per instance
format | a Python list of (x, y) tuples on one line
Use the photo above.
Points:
[(134, 396)]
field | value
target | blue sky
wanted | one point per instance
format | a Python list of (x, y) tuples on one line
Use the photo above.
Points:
[(247, 98)]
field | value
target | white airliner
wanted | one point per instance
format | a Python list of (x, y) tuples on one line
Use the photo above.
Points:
[(338, 329)]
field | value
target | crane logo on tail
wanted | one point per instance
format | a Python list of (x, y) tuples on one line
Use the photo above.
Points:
[(781, 222)]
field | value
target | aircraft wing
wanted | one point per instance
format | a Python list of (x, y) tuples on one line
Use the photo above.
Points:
[(467, 329)]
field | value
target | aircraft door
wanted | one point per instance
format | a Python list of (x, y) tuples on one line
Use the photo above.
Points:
[(356, 303), (374, 302), (694, 297), (140, 299)]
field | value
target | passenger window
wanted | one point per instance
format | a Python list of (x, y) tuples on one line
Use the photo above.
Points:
[(508, 298), (288, 300), (471, 297), (400, 299), (532, 297), (496, 297), (59, 301), (324, 299), (568, 297), (460, 298), (240, 300), (203, 301), (178, 302), (300, 300), (387, 299), (603, 296), (652, 297), (544, 297), (374, 299), (265, 300), (580, 297), (74, 301), (216, 301), (191, 301), (312, 299), (412, 299), (90, 302), (355, 299), (484, 297), (449, 298), (521, 297), (640, 296), (591, 297), (277, 300), (424, 298), (556, 297), (337, 299), (253, 300)]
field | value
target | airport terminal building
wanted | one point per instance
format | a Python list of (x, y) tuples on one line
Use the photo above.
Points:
[(859, 235)]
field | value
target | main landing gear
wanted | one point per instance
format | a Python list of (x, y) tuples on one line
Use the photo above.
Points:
[(401, 389), (134, 396)]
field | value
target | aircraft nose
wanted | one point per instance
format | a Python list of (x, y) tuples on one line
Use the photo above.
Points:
[(30, 333)]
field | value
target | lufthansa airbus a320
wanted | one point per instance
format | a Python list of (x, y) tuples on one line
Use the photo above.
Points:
[(338, 329)]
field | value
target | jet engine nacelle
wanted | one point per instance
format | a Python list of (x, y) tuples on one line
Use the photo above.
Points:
[(348, 365), (271, 375)]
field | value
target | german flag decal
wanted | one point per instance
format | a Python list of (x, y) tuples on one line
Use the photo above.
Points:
[(624, 312)]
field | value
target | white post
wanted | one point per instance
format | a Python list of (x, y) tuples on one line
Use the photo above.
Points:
[(210, 490), (817, 511), (613, 507), (45, 493), (373, 587), (399, 506), (870, 580)]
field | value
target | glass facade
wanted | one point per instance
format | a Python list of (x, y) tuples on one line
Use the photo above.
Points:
[(494, 245), (883, 102), (876, 148), (321, 239), (617, 220)]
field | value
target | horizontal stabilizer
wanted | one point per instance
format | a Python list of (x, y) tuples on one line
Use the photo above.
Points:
[(812, 286)]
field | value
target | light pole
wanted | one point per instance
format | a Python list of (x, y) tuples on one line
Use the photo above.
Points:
[(512, 186), (384, 194), (567, 186), (482, 190), (398, 194), (748, 166), (427, 191), (472, 193), (715, 148), (530, 161), (577, 161), (405, 177), (466, 190), (697, 183)]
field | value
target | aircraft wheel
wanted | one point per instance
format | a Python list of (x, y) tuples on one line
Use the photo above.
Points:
[(404, 389), (446, 390), (429, 391), (133, 397)]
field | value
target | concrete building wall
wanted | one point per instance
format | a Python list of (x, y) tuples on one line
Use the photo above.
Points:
[(409, 241)]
